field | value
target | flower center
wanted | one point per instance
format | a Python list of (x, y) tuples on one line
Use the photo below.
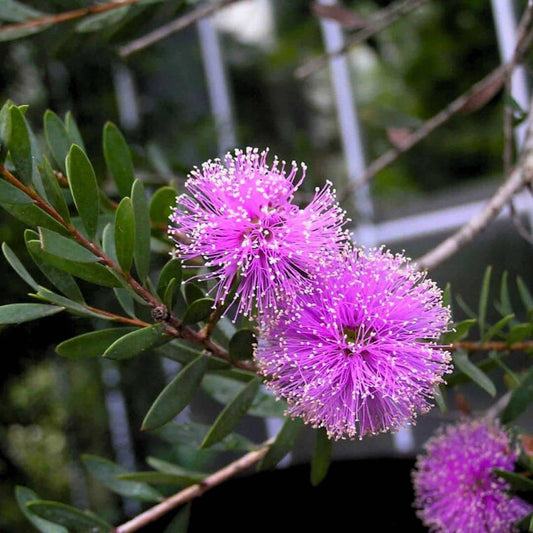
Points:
[(355, 337)]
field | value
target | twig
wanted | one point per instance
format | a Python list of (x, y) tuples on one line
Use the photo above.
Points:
[(172, 27), (67, 15), (188, 494), (496, 346), (517, 180), (385, 17)]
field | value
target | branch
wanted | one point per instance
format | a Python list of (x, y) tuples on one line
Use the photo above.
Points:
[(517, 180), (172, 27), (496, 346), (186, 495), (68, 15), (385, 17)]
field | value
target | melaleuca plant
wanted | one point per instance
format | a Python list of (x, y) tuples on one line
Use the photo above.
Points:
[(268, 306)]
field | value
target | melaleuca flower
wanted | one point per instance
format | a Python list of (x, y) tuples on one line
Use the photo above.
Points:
[(358, 355), (456, 489), (238, 214)]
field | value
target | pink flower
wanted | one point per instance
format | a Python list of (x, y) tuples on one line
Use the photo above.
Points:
[(239, 215), (456, 489), (357, 355)]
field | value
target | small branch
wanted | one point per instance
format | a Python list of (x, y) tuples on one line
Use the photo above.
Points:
[(68, 15), (385, 17), (172, 27), (518, 179), (497, 346), (194, 491)]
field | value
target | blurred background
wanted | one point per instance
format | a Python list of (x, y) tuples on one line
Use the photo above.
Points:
[(254, 73)]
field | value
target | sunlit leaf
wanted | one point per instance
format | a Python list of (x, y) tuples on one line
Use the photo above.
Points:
[(91, 344), (176, 395), (22, 312), (118, 158), (108, 474), (84, 188), (136, 342), (232, 414)]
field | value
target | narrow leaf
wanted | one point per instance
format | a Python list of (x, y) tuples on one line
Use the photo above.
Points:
[(525, 295), (9, 194), (142, 230), (92, 344), (125, 233), (461, 330), (19, 145), (4, 129), (57, 138), (496, 328), (108, 474), (180, 522), (505, 299), (55, 244), (518, 482), (18, 267), (283, 443), (242, 344), (24, 496), (176, 395), (483, 300), (160, 478), (32, 215), (102, 20), (84, 188), (177, 470), (53, 190), (118, 157), (17, 313), (520, 332), (198, 311), (520, 399), (13, 11), (71, 305), (138, 341), (73, 519), (321, 457), (232, 414), (192, 292), (161, 204), (463, 363), (73, 131)]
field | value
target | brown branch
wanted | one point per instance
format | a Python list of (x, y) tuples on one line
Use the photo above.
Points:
[(496, 346), (67, 15), (172, 27), (517, 180), (194, 491), (385, 17)]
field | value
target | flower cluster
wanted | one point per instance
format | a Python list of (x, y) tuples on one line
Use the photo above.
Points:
[(456, 488), (348, 336)]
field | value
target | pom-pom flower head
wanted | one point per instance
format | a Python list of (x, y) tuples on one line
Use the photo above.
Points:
[(358, 355), (456, 490), (238, 214)]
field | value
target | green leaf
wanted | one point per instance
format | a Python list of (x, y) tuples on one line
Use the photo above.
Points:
[(525, 295), (73, 519), (461, 330), (176, 470), (321, 457), (92, 344), (519, 332), (176, 395), (125, 233), (10, 34), (506, 307), (108, 474), (19, 145), (92, 272), (161, 205), (84, 188), (283, 443), (171, 270), (100, 21), (232, 414), (159, 478), (9, 194), (496, 328), (73, 131), (4, 129), (142, 251), (138, 341), (180, 522), (53, 190), (24, 496), (183, 352), (125, 300), (483, 300), (520, 399), (192, 292), (32, 215), (18, 267), (192, 434), (518, 482), (118, 157), (241, 345), (171, 294), (57, 138), (198, 311), (17, 313), (463, 363), (55, 244), (223, 389), (72, 306), (13, 11)]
